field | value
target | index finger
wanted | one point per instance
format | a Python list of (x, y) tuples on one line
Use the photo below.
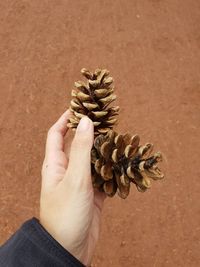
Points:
[(56, 134)]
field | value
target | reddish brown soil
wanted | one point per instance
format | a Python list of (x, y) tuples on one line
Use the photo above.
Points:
[(152, 49)]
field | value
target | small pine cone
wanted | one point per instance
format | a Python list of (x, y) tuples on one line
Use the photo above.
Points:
[(92, 99), (117, 160)]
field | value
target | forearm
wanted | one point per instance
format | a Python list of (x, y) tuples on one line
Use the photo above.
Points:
[(32, 246)]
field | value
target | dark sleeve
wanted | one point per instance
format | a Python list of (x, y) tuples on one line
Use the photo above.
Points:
[(33, 246)]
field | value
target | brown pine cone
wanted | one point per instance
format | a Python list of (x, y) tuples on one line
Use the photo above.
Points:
[(118, 160), (92, 99)]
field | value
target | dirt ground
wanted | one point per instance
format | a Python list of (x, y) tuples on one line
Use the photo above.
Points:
[(152, 49)]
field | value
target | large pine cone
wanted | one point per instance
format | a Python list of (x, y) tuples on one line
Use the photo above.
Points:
[(118, 160), (92, 99)]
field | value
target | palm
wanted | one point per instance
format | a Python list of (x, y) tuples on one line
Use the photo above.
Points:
[(91, 239)]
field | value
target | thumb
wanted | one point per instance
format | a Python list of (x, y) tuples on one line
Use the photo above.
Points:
[(79, 167)]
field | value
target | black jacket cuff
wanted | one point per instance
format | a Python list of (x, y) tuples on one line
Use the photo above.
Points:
[(32, 245)]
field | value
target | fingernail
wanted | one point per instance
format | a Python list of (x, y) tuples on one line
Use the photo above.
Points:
[(84, 124)]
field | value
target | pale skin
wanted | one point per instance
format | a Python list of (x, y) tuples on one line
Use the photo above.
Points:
[(70, 209)]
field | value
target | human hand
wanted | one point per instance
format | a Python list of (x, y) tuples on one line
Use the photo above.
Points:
[(70, 209)]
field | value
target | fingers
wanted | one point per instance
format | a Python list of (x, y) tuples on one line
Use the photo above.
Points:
[(79, 167), (55, 137)]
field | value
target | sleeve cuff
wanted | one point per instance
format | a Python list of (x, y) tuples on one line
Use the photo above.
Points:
[(37, 234)]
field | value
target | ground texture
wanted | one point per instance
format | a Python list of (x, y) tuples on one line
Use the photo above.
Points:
[(152, 49)]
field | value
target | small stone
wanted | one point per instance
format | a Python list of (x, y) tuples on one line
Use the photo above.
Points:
[(123, 243)]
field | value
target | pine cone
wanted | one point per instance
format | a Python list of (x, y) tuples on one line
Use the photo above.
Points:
[(118, 160), (92, 99)]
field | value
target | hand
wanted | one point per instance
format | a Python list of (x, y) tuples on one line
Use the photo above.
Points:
[(70, 209)]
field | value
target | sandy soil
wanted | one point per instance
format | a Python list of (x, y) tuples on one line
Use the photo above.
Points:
[(152, 48)]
